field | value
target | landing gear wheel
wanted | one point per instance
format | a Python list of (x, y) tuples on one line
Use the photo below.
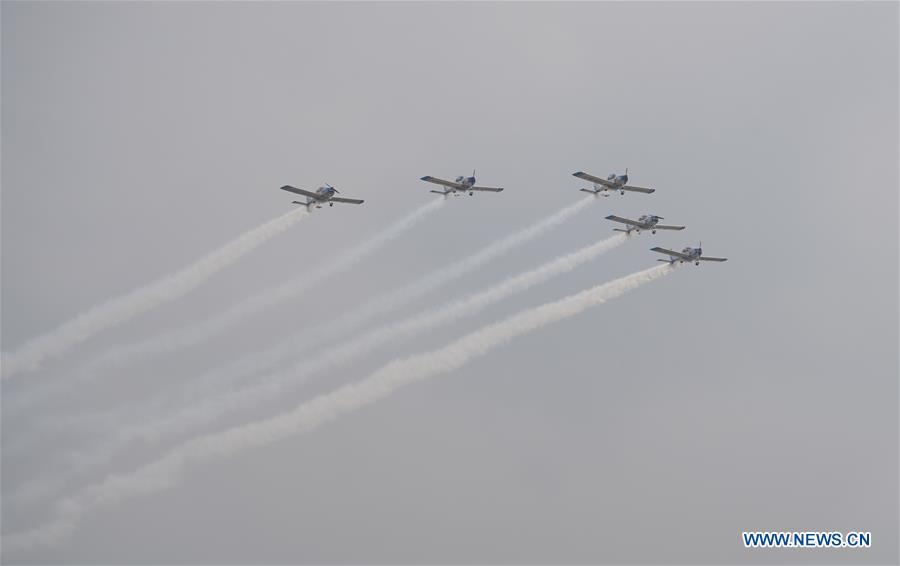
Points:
[(653, 231)]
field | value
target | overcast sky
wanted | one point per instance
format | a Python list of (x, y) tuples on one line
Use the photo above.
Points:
[(757, 394)]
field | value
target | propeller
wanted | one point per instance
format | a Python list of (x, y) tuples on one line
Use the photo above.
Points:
[(626, 171), (332, 188)]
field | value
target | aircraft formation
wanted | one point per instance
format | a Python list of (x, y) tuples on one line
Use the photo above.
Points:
[(601, 187)]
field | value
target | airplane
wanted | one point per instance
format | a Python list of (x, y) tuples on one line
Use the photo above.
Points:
[(645, 222), (462, 184), (321, 195), (687, 254), (612, 183)]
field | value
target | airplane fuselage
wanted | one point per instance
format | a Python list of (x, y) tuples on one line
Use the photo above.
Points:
[(646, 222), (323, 194), (618, 181), (694, 253), (466, 182)]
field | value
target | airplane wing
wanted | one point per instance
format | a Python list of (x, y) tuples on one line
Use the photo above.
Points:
[(615, 218), (591, 178), (291, 189), (714, 258), (347, 200), (491, 189), (636, 189), (437, 181), (666, 227), (671, 253)]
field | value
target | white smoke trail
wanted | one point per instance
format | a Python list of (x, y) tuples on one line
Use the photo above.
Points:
[(114, 312), (191, 335), (338, 327), (274, 386), (167, 471), (37, 488)]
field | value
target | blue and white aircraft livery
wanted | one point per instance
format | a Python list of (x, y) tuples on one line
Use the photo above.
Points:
[(323, 194), (687, 254), (645, 222), (611, 183), (461, 185)]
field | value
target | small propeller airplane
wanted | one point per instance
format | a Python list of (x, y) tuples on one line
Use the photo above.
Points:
[(462, 184), (687, 254), (645, 222), (321, 195), (612, 183)]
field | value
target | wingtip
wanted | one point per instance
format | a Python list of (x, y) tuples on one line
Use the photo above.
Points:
[(577, 173), (610, 217), (425, 178)]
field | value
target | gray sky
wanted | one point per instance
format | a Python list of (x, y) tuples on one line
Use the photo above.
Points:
[(758, 394)]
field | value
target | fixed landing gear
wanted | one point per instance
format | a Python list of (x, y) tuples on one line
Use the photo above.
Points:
[(330, 204), (696, 263), (471, 193), (653, 231), (622, 193)]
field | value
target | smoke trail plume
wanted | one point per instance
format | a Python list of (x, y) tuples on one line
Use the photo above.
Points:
[(167, 471), (338, 327), (141, 300), (274, 386), (37, 488), (191, 335)]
